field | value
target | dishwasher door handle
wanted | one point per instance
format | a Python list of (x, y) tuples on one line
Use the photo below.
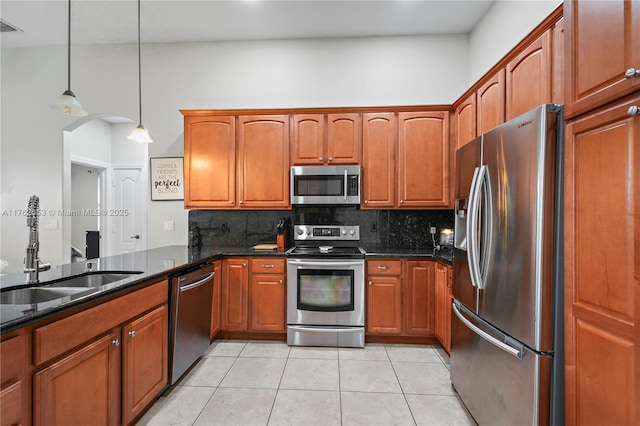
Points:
[(196, 284)]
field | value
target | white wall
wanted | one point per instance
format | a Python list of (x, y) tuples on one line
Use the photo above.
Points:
[(413, 70), (502, 27)]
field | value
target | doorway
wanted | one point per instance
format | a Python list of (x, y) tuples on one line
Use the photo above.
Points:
[(96, 153)]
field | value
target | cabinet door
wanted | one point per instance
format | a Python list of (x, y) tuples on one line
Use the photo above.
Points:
[(558, 46), (420, 298), (144, 362), (82, 388), (602, 272), (423, 159), (378, 160), (307, 139), (209, 162), (465, 121), (602, 43), (234, 300), (490, 98), (215, 304), (384, 305), (343, 138), (529, 77), (268, 305), (12, 396), (263, 162), (442, 304)]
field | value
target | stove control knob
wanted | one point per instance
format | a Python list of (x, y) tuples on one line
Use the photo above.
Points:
[(308, 232), (344, 232), (300, 231), (352, 232)]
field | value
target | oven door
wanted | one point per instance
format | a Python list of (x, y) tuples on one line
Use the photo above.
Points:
[(325, 292)]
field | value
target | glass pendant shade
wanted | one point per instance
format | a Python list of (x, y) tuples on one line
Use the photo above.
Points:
[(140, 135), (68, 104)]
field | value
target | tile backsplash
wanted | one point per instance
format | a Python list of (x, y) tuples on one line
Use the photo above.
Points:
[(387, 228)]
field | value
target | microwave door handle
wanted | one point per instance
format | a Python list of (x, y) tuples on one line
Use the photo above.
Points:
[(345, 184)]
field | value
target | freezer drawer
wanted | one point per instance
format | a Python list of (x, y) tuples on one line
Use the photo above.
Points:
[(498, 386)]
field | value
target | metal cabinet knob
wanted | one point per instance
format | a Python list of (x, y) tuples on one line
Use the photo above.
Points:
[(633, 110), (244, 265), (230, 201), (116, 342), (370, 283), (280, 282), (132, 334), (366, 201), (241, 202), (320, 159), (401, 201), (632, 73), (330, 158)]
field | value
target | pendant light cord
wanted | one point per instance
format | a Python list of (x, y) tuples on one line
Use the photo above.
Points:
[(139, 67), (69, 48)]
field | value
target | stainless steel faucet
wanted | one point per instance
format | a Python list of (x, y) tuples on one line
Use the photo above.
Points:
[(32, 264)]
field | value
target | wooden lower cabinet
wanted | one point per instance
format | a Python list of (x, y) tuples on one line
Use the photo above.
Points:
[(13, 390), (400, 297), (235, 294), (83, 388), (215, 303), (420, 300), (384, 304), (254, 295), (602, 272), (110, 379), (443, 295), (145, 343)]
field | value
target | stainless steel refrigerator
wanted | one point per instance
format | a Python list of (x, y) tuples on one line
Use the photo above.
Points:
[(506, 345)]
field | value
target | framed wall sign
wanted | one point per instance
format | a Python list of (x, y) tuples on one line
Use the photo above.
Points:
[(167, 178)]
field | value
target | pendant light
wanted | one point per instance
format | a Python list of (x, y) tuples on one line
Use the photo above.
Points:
[(67, 103), (140, 134)]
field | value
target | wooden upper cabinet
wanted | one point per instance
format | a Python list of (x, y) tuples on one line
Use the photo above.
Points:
[(602, 43), (379, 132), (343, 138), (318, 139), (490, 103), (558, 47), (263, 162), (529, 77), (308, 139), (465, 121), (423, 159), (209, 162)]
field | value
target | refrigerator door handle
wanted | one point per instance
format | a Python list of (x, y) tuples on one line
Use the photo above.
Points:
[(518, 353), (484, 188), (472, 225)]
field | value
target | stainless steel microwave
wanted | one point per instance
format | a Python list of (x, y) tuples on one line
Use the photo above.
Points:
[(325, 185)]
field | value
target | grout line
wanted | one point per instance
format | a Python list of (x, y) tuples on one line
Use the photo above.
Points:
[(404, 395)]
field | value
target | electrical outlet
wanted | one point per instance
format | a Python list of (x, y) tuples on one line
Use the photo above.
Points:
[(374, 227), (433, 229)]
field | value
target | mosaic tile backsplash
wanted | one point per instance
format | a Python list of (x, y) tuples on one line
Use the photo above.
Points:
[(394, 229)]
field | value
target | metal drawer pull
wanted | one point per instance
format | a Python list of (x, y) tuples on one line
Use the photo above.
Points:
[(384, 268), (633, 110), (632, 73), (268, 266)]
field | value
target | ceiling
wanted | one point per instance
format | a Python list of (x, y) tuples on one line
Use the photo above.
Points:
[(44, 23)]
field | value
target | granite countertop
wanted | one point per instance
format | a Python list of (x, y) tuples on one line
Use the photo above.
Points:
[(150, 265)]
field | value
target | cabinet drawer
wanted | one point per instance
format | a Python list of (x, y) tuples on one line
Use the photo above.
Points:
[(267, 265), (11, 358), (58, 337), (384, 267)]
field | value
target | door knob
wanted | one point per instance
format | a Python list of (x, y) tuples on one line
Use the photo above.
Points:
[(136, 237)]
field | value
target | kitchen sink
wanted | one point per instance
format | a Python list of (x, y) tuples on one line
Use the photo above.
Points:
[(30, 295), (93, 279)]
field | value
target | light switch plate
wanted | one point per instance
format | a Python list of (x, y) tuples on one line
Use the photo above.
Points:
[(169, 225)]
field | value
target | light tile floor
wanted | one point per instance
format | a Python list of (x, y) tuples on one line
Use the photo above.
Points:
[(270, 383)]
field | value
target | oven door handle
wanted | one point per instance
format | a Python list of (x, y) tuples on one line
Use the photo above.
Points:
[(328, 263)]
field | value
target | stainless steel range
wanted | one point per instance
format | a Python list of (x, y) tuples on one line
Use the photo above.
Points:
[(325, 287)]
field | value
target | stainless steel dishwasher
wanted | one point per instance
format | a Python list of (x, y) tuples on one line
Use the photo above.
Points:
[(190, 318)]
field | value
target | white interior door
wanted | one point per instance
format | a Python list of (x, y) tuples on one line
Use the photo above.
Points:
[(129, 213)]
